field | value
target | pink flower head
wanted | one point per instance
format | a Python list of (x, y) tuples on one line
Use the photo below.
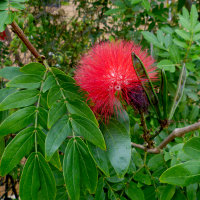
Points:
[(3, 35), (106, 73)]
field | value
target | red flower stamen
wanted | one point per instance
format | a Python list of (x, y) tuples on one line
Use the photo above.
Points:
[(107, 69)]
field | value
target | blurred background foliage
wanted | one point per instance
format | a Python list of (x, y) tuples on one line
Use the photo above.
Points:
[(63, 30)]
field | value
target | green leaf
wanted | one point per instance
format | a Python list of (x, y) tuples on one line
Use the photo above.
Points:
[(64, 91), (80, 108), (34, 69), (3, 115), (167, 30), (61, 193), (57, 134), (168, 40), (100, 195), (10, 72), (17, 121), (185, 13), (196, 37), (149, 193), (167, 192), (17, 5), (160, 36), (62, 76), (179, 91), (19, 99), (37, 181), (118, 144), (54, 94), (123, 118), (147, 84), (193, 16), (3, 16), (184, 22), (183, 34), (16, 150), (4, 92), (22, 1), (57, 110), (58, 175), (113, 11), (86, 128), (197, 28), (192, 148), (55, 160), (25, 81), (164, 94), (71, 170), (2, 146), (167, 65), (135, 1), (71, 91), (174, 53), (100, 157), (179, 195), (111, 194), (133, 192), (180, 43), (194, 113), (3, 4), (151, 38), (182, 174), (88, 170), (50, 82), (42, 117), (142, 176), (146, 4), (137, 158), (155, 162), (192, 191)]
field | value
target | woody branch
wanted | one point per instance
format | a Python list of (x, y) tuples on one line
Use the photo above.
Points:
[(178, 132), (25, 40)]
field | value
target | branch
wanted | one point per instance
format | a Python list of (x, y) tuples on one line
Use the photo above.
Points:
[(25, 40), (178, 132)]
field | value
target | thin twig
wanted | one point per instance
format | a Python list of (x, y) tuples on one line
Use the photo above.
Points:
[(146, 136), (25, 40), (178, 132), (13, 186)]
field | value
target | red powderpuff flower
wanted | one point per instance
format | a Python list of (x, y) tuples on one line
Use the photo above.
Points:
[(106, 73), (3, 35)]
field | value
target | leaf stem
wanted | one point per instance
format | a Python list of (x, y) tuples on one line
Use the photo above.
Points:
[(37, 107), (188, 48), (58, 84)]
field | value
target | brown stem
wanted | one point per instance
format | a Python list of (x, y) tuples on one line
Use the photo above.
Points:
[(178, 132), (25, 40), (146, 136)]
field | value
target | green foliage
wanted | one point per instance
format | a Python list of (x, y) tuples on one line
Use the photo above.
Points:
[(118, 146), (45, 121), (37, 181), (6, 16)]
